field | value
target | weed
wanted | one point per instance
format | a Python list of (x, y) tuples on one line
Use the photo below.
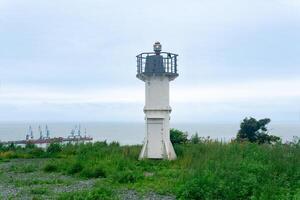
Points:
[(75, 168), (204, 170), (95, 172), (39, 191), (50, 168), (103, 193)]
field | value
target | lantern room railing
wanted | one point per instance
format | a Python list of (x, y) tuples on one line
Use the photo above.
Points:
[(169, 63)]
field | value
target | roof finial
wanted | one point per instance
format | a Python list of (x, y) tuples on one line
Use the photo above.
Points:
[(157, 47)]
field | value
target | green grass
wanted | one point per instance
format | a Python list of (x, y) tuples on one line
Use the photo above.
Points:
[(208, 170), (39, 191), (28, 168), (103, 193)]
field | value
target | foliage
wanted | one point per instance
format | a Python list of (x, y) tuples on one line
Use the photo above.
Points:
[(240, 171), (30, 146), (99, 193), (195, 139), (54, 148), (127, 176), (39, 191), (205, 169), (253, 130), (75, 168), (178, 137), (49, 167), (93, 172)]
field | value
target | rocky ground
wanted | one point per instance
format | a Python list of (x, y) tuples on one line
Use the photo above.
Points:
[(25, 179)]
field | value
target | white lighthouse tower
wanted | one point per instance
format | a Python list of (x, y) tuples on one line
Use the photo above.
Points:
[(157, 69)]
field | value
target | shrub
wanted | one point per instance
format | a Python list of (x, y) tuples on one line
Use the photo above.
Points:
[(127, 176), (194, 189), (30, 146), (12, 147), (36, 152), (8, 155), (75, 168), (94, 172), (54, 148), (178, 137), (50, 168)]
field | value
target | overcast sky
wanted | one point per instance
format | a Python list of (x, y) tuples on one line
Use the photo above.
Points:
[(66, 60)]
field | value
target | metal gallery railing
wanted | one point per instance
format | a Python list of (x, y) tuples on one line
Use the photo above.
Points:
[(169, 62)]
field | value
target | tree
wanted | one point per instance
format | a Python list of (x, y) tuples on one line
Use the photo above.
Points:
[(178, 137), (253, 130)]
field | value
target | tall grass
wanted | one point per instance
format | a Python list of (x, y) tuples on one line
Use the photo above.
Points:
[(207, 170)]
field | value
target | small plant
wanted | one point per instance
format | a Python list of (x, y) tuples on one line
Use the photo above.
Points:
[(50, 168), (28, 168), (36, 152), (94, 172), (54, 148), (39, 191), (98, 193), (8, 155), (75, 168), (127, 176), (30, 146)]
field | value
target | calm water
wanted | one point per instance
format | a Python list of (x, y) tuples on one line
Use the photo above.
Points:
[(133, 133)]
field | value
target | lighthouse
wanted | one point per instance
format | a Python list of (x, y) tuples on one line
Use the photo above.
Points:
[(157, 69)]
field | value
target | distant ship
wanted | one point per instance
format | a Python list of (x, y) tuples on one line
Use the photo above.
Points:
[(75, 137)]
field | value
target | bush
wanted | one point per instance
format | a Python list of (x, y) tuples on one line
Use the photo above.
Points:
[(36, 152), (178, 137), (127, 176), (196, 188), (50, 168), (8, 155), (30, 146), (94, 172), (54, 148), (12, 147), (75, 168)]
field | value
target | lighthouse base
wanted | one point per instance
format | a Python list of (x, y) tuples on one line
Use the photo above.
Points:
[(157, 144)]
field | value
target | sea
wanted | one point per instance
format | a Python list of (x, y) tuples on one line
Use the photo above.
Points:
[(134, 132)]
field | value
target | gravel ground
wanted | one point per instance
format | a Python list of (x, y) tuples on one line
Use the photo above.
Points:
[(24, 179), (132, 195)]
